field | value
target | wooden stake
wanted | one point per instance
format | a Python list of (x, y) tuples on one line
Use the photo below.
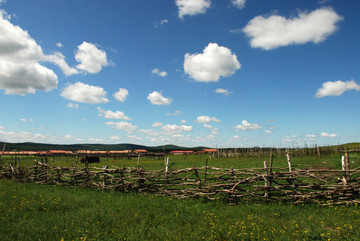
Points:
[(267, 183), (167, 164), (271, 162), (289, 161), (138, 162)]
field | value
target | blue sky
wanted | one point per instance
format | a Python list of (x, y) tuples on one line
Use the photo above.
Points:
[(218, 73)]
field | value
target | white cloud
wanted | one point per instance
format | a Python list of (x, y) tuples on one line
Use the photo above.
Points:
[(172, 129), (156, 124), (21, 136), (238, 3), (175, 113), (161, 23), (108, 114), (121, 95), (91, 58), (27, 120), (71, 105), (268, 132), (192, 7), (59, 44), (206, 119), (157, 99), (96, 140), (215, 62), (183, 121), (84, 93), (122, 125), (246, 126), (276, 31), (159, 73), (59, 59), (336, 88), (116, 138), (223, 91), (326, 135)]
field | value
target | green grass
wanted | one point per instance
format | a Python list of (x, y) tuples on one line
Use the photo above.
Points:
[(177, 162), (35, 212)]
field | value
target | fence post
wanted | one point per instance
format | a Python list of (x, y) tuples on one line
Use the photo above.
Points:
[(347, 165), (267, 183), (104, 177), (206, 164), (138, 162), (167, 164), (345, 168), (271, 162), (289, 161)]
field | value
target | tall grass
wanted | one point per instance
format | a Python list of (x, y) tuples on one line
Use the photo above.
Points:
[(34, 212)]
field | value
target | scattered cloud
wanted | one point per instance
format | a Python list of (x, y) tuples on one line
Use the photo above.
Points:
[(215, 62), (115, 138), (223, 91), (159, 73), (121, 95), (268, 131), (27, 120), (276, 31), (108, 114), (59, 59), (175, 113), (336, 88), (156, 98), (96, 140), (156, 124), (172, 129), (91, 58), (246, 126), (183, 121), (59, 44), (71, 105), (206, 119), (326, 135), (240, 4), (161, 23), (84, 93), (24, 136), (192, 7), (122, 125)]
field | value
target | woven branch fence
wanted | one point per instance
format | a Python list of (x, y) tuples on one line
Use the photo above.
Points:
[(268, 184)]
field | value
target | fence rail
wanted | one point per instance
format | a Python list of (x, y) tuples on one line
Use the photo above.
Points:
[(269, 184)]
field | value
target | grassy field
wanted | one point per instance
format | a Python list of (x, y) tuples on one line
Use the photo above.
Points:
[(179, 161), (35, 212)]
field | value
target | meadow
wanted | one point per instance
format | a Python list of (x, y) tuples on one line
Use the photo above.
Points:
[(40, 212)]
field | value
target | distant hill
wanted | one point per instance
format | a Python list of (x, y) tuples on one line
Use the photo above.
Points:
[(30, 146)]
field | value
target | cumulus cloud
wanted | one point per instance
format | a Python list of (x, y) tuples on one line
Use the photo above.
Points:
[(20, 56), (91, 58), (156, 124), (223, 91), (160, 23), (246, 126), (122, 125), (156, 98), (175, 113), (172, 129), (276, 31), (59, 59), (115, 138), (84, 93), (206, 119), (108, 114), (72, 105), (215, 62), (24, 136), (238, 3), (192, 7), (336, 88), (158, 72), (327, 135), (59, 44), (121, 95), (27, 120), (20, 71)]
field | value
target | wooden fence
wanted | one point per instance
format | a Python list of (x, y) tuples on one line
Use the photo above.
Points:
[(269, 184)]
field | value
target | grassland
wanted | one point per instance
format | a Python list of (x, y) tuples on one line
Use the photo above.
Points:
[(34, 212)]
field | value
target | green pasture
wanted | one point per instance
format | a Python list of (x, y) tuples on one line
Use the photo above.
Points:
[(36, 212), (185, 161)]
